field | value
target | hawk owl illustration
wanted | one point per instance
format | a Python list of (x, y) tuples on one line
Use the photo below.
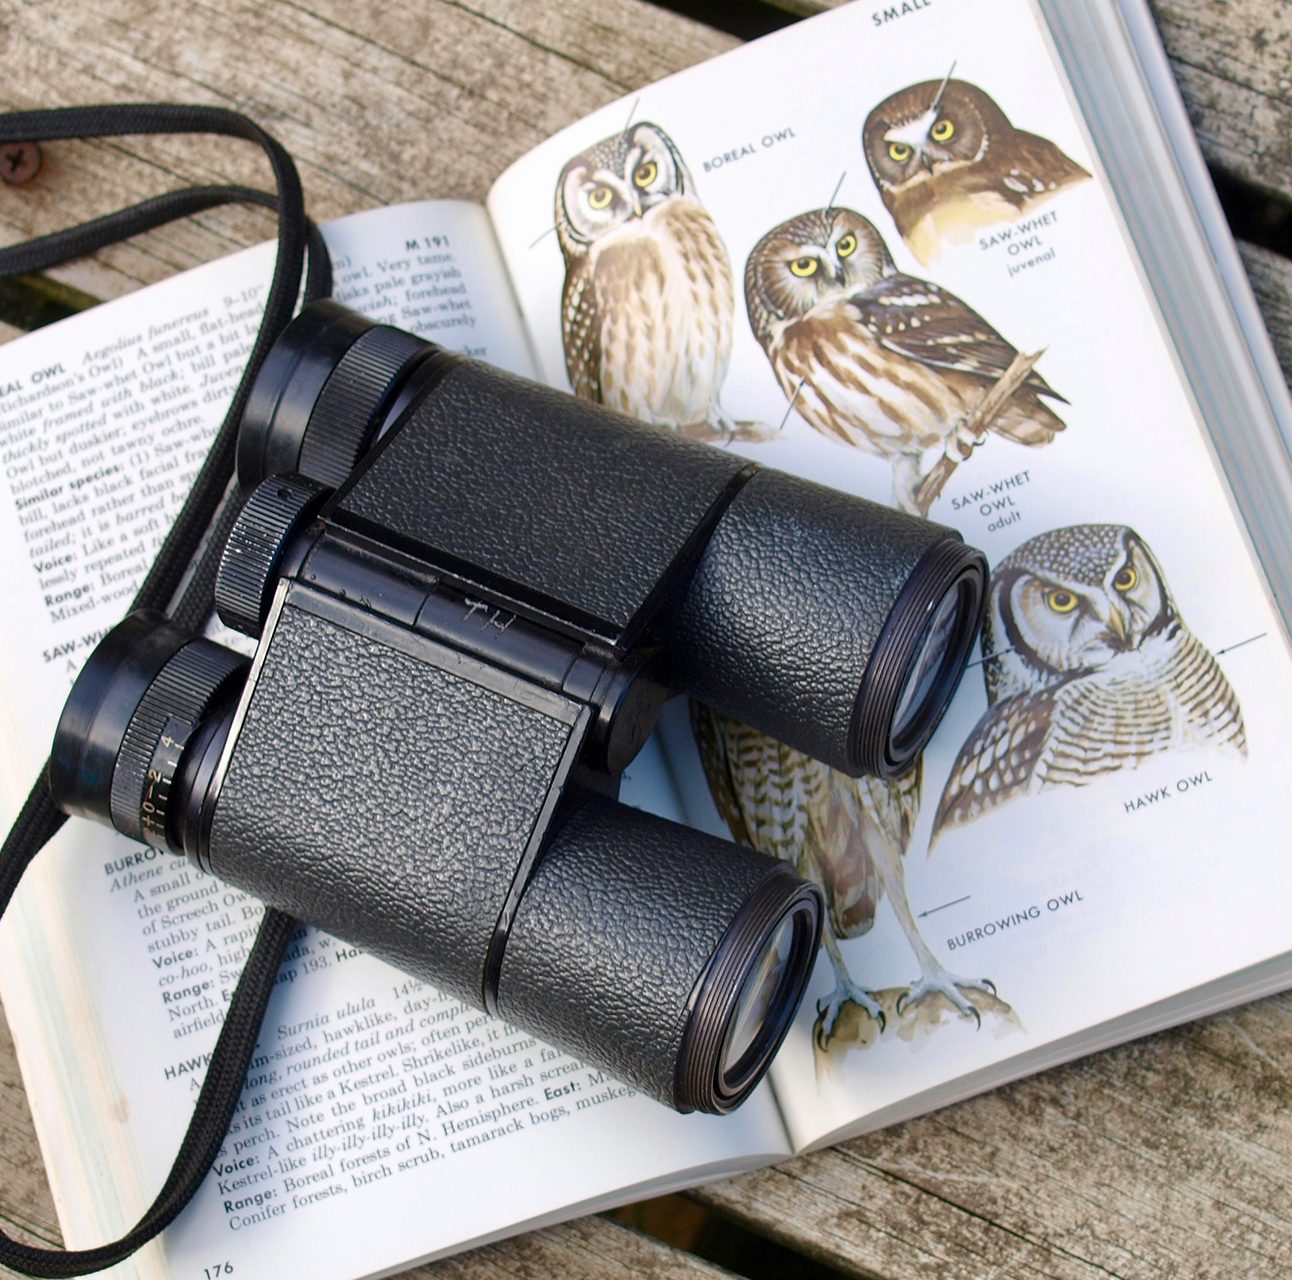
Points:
[(876, 359), (648, 301), (947, 162), (1094, 672)]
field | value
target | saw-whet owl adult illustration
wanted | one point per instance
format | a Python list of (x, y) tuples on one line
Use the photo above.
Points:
[(947, 162), (648, 301), (849, 835), (877, 359), (1094, 671)]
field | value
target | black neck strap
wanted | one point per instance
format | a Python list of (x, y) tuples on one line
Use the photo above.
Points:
[(300, 250)]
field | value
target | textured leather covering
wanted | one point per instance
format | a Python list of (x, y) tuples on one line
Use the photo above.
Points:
[(382, 798), (785, 607), (566, 498), (617, 924)]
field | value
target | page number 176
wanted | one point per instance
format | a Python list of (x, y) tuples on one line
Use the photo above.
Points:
[(220, 1269)]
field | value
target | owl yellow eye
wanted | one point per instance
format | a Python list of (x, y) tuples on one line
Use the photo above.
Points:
[(1061, 601), (899, 152), (600, 197), (942, 131), (1126, 579), (804, 267), (847, 246), (646, 173)]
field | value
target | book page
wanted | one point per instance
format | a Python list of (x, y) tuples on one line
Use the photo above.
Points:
[(820, 251), (382, 1121)]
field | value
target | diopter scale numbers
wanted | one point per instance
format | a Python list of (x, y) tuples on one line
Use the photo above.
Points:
[(160, 780)]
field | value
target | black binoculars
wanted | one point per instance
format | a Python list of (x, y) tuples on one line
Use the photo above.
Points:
[(472, 596)]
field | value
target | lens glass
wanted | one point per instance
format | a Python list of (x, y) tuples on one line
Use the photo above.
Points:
[(759, 1002), (924, 681)]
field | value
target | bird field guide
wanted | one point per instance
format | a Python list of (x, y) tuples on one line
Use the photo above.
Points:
[(965, 260)]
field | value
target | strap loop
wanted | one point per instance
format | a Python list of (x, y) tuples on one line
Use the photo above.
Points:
[(207, 508)]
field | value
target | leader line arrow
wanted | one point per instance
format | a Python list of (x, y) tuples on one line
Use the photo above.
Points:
[(945, 905), (1231, 647)]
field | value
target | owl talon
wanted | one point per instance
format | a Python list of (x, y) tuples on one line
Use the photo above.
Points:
[(956, 991), (962, 442), (846, 992)]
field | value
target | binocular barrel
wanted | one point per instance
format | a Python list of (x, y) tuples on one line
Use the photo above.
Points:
[(471, 595), (834, 624), (671, 959)]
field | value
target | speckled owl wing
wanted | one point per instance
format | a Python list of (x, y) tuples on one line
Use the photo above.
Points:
[(581, 331), (919, 320), (997, 762), (783, 803), (1037, 166), (625, 301), (862, 819), (763, 789)]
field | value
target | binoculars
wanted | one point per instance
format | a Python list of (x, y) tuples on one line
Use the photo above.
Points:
[(472, 596)]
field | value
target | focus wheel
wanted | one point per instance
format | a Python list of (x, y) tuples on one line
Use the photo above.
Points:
[(277, 508)]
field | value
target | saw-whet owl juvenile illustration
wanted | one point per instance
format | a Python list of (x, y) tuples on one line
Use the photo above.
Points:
[(947, 162), (648, 300), (1094, 672), (883, 361)]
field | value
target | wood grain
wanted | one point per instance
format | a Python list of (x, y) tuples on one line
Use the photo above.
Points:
[(1168, 1157), (377, 102), (1171, 1157), (1233, 62), (1271, 279)]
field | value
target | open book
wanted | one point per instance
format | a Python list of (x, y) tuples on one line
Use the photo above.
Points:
[(1095, 847)]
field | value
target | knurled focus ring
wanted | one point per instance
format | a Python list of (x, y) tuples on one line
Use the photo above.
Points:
[(173, 706), (276, 508), (347, 408)]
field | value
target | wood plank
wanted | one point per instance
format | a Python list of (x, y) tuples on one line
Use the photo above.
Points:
[(1233, 62), (1271, 278), (376, 105), (26, 1208), (1168, 1157)]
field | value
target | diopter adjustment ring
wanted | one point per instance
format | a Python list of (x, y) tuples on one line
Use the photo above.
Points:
[(174, 704), (351, 402), (276, 509)]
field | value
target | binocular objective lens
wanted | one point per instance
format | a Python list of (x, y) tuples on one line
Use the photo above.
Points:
[(768, 1000), (757, 1001), (939, 660)]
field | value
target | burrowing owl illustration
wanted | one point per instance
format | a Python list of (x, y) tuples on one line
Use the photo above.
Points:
[(847, 834), (947, 162), (646, 311), (1095, 672), (880, 360)]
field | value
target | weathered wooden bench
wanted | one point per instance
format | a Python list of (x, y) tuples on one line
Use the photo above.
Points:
[(1169, 1157)]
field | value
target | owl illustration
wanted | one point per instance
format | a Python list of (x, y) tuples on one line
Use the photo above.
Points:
[(647, 305), (947, 162), (847, 834), (1094, 672), (876, 359)]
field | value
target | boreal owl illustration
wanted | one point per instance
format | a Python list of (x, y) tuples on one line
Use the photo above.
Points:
[(647, 306), (879, 360), (1095, 671), (947, 162), (847, 834)]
